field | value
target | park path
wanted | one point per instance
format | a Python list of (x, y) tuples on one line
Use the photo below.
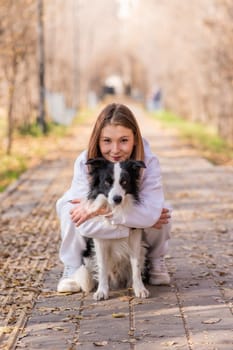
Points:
[(194, 313)]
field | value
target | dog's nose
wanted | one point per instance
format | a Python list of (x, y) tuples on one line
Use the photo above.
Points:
[(117, 199)]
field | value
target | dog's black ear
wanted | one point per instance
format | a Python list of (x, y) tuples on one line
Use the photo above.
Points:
[(134, 164), (139, 164), (96, 163)]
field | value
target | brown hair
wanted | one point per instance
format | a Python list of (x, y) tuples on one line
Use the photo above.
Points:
[(116, 114)]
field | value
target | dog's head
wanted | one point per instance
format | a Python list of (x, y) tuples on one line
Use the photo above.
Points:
[(114, 180)]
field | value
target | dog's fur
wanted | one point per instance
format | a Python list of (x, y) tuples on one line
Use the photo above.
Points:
[(115, 186)]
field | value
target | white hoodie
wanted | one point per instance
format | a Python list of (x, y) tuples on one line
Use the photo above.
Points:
[(143, 214)]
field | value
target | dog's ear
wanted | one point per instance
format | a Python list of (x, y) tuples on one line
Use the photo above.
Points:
[(139, 164), (96, 163), (134, 164)]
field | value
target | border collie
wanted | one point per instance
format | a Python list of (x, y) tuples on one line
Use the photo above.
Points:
[(119, 262)]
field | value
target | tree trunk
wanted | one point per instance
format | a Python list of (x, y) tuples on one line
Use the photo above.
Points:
[(10, 119), (41, 68)]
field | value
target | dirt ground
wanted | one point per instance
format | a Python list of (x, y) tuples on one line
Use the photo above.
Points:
[(194, 312)]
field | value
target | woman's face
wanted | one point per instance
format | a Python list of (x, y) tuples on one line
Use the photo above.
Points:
[(116, 143)]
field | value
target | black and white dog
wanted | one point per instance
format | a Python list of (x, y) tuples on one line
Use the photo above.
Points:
[(120, 262)]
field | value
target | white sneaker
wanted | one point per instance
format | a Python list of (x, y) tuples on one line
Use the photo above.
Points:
[(68, 283), (158, 274)]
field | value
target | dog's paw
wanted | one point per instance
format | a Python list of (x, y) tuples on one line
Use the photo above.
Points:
[(141, 292), (101, 294)]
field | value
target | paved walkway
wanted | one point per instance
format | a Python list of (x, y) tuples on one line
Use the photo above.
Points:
[(194, 313)]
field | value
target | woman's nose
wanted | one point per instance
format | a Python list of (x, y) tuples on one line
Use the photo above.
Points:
[(115, 147)]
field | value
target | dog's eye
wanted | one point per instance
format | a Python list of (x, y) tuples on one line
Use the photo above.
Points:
[(108, 182), (124, 182)]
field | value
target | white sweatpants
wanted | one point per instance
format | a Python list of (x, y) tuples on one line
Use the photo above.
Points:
[(73, 244)]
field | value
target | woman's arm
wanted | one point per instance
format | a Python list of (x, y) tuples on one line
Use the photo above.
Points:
[(101, 227), (96, 224)]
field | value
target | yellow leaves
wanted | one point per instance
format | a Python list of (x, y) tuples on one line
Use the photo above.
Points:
[(78, 317), (6, 329)]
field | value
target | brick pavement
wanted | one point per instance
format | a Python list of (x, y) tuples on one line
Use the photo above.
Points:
[(194, 313)]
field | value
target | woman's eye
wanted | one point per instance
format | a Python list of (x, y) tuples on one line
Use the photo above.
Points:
[(124, 140)]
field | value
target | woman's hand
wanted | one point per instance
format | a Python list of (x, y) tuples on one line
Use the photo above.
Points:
[(164, 219), (79, 214)]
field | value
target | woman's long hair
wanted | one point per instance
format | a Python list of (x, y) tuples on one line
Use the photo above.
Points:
[(116, 114)]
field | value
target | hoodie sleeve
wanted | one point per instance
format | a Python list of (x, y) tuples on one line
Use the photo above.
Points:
[(100, 227), (147, 212)]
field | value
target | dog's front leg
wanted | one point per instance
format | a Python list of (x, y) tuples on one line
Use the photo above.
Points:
[(102, 263), (135, 260)]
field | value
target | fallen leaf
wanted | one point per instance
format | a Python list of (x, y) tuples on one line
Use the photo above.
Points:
[(212, 321), (59, 328), (222, 229), (124, 298), (132, 340), (169, 343), (100, 343), (78, 317), (6, 329), (118, 315)]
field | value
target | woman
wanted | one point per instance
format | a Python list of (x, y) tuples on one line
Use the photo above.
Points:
[(116, 137)]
